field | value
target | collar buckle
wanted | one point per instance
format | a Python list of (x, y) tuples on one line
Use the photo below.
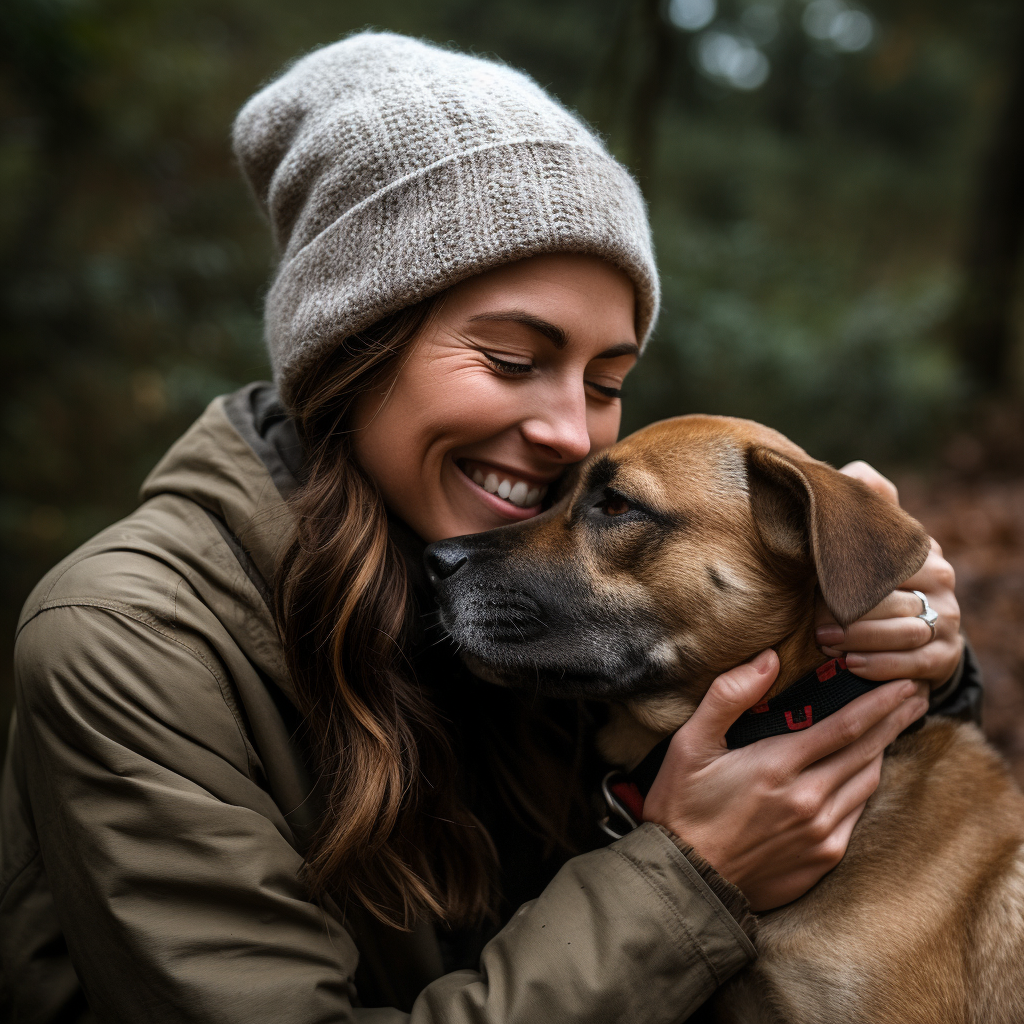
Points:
[(614, 806)]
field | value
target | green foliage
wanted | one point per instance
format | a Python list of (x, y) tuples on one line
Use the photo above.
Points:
[(807, 230)]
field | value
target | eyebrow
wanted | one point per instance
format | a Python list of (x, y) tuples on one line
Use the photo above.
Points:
[(623, 348), (600, 474), (553, 332)]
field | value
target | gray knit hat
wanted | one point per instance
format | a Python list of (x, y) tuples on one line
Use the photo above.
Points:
[(390, 169)]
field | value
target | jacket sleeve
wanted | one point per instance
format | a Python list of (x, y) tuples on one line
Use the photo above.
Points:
[(961, 695), (178, 890)]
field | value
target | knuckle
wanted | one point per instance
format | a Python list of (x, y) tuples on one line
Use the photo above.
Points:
[(937, 661), (804, 804), (868, 778), (849, 729), (926, 659), (730, 689), (832, 848), (945, 574), (819, 830), (776, 775)]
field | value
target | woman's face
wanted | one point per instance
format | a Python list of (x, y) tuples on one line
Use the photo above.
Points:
[(516, 378)]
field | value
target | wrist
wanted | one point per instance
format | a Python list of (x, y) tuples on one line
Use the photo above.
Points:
[(729, 895)]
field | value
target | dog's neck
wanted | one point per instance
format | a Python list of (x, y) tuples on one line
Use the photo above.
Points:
[(635, 729), (798, 653)]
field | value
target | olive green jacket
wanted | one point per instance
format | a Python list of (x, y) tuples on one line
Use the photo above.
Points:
[(153, 808)]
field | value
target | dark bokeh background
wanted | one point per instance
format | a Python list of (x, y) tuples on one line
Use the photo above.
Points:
[(837, 193)]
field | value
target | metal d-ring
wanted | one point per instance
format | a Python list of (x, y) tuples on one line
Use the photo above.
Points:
[(614, 806)]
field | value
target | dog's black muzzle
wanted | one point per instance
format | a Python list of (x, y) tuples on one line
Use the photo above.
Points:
[(444, 559), (479, 594), (522, 618)]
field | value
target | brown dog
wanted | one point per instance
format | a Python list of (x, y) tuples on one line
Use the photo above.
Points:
[(686, 549)]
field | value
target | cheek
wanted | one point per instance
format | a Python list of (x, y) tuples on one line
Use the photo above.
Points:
[(603, 426), (469, 405), (384, 448), (389, 436), (427, 411)]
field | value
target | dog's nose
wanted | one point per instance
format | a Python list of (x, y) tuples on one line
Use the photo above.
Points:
[(444, 560)]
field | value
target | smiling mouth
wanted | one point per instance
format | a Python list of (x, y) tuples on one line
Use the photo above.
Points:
[(513, 489)]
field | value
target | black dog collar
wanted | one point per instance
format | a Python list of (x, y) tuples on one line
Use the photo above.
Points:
[(813, 697), (798, 706)]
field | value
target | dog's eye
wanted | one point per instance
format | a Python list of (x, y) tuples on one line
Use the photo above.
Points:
[(615, 505)]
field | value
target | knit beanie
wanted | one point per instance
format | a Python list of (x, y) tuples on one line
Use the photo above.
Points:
[(390, 169)]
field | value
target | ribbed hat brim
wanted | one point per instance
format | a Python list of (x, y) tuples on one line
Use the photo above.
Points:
[(465, 214)]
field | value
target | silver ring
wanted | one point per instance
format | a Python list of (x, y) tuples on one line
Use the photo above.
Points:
[(928, 614)]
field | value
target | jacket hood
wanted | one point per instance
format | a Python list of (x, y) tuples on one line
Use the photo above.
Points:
[(238, 462)]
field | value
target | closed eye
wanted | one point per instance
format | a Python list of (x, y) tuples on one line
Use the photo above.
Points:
[(508, 366), (514, 368), (604, 389)]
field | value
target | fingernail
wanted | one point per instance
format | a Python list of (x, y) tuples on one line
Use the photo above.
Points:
[(856, 661), (908, 690), (762, 662), (829, 634)]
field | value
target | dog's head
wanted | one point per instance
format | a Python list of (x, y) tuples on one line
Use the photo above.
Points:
[(680, 552)]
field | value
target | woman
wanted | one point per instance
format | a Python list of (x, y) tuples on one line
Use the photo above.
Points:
[(247, 781)]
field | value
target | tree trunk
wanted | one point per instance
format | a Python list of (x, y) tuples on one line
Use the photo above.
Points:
[(981, 325), (649, 97)]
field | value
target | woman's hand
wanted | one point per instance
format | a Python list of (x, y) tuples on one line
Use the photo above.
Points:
[(775, 816), (891, 642)]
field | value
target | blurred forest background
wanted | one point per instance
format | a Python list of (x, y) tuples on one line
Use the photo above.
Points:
[(836, 189)]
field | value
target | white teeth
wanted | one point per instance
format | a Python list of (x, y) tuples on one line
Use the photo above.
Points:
[(519, 494)]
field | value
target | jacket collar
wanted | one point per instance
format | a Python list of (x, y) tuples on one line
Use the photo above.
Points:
[(239, 462), (222, 464)]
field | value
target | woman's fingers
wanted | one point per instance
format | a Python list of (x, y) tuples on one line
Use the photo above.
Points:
[(861, 725), (900, 604), (897, 634), (870, 476), (935, 574), (892, 640), (931, 663), (851, 796), (774, 816), (837, 768), (727, 698)]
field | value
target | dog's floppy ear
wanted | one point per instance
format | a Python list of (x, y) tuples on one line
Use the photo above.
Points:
[(861, 546)]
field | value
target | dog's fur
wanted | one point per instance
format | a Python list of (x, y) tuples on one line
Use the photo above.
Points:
[(681, 552)]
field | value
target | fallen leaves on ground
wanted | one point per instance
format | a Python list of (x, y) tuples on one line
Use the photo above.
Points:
[(980, 525)]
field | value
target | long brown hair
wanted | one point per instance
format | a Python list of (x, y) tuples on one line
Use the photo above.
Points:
[(342, 608), (397, 835)]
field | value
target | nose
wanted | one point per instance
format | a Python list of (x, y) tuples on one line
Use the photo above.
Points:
[(443, 559), (562, 427)]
